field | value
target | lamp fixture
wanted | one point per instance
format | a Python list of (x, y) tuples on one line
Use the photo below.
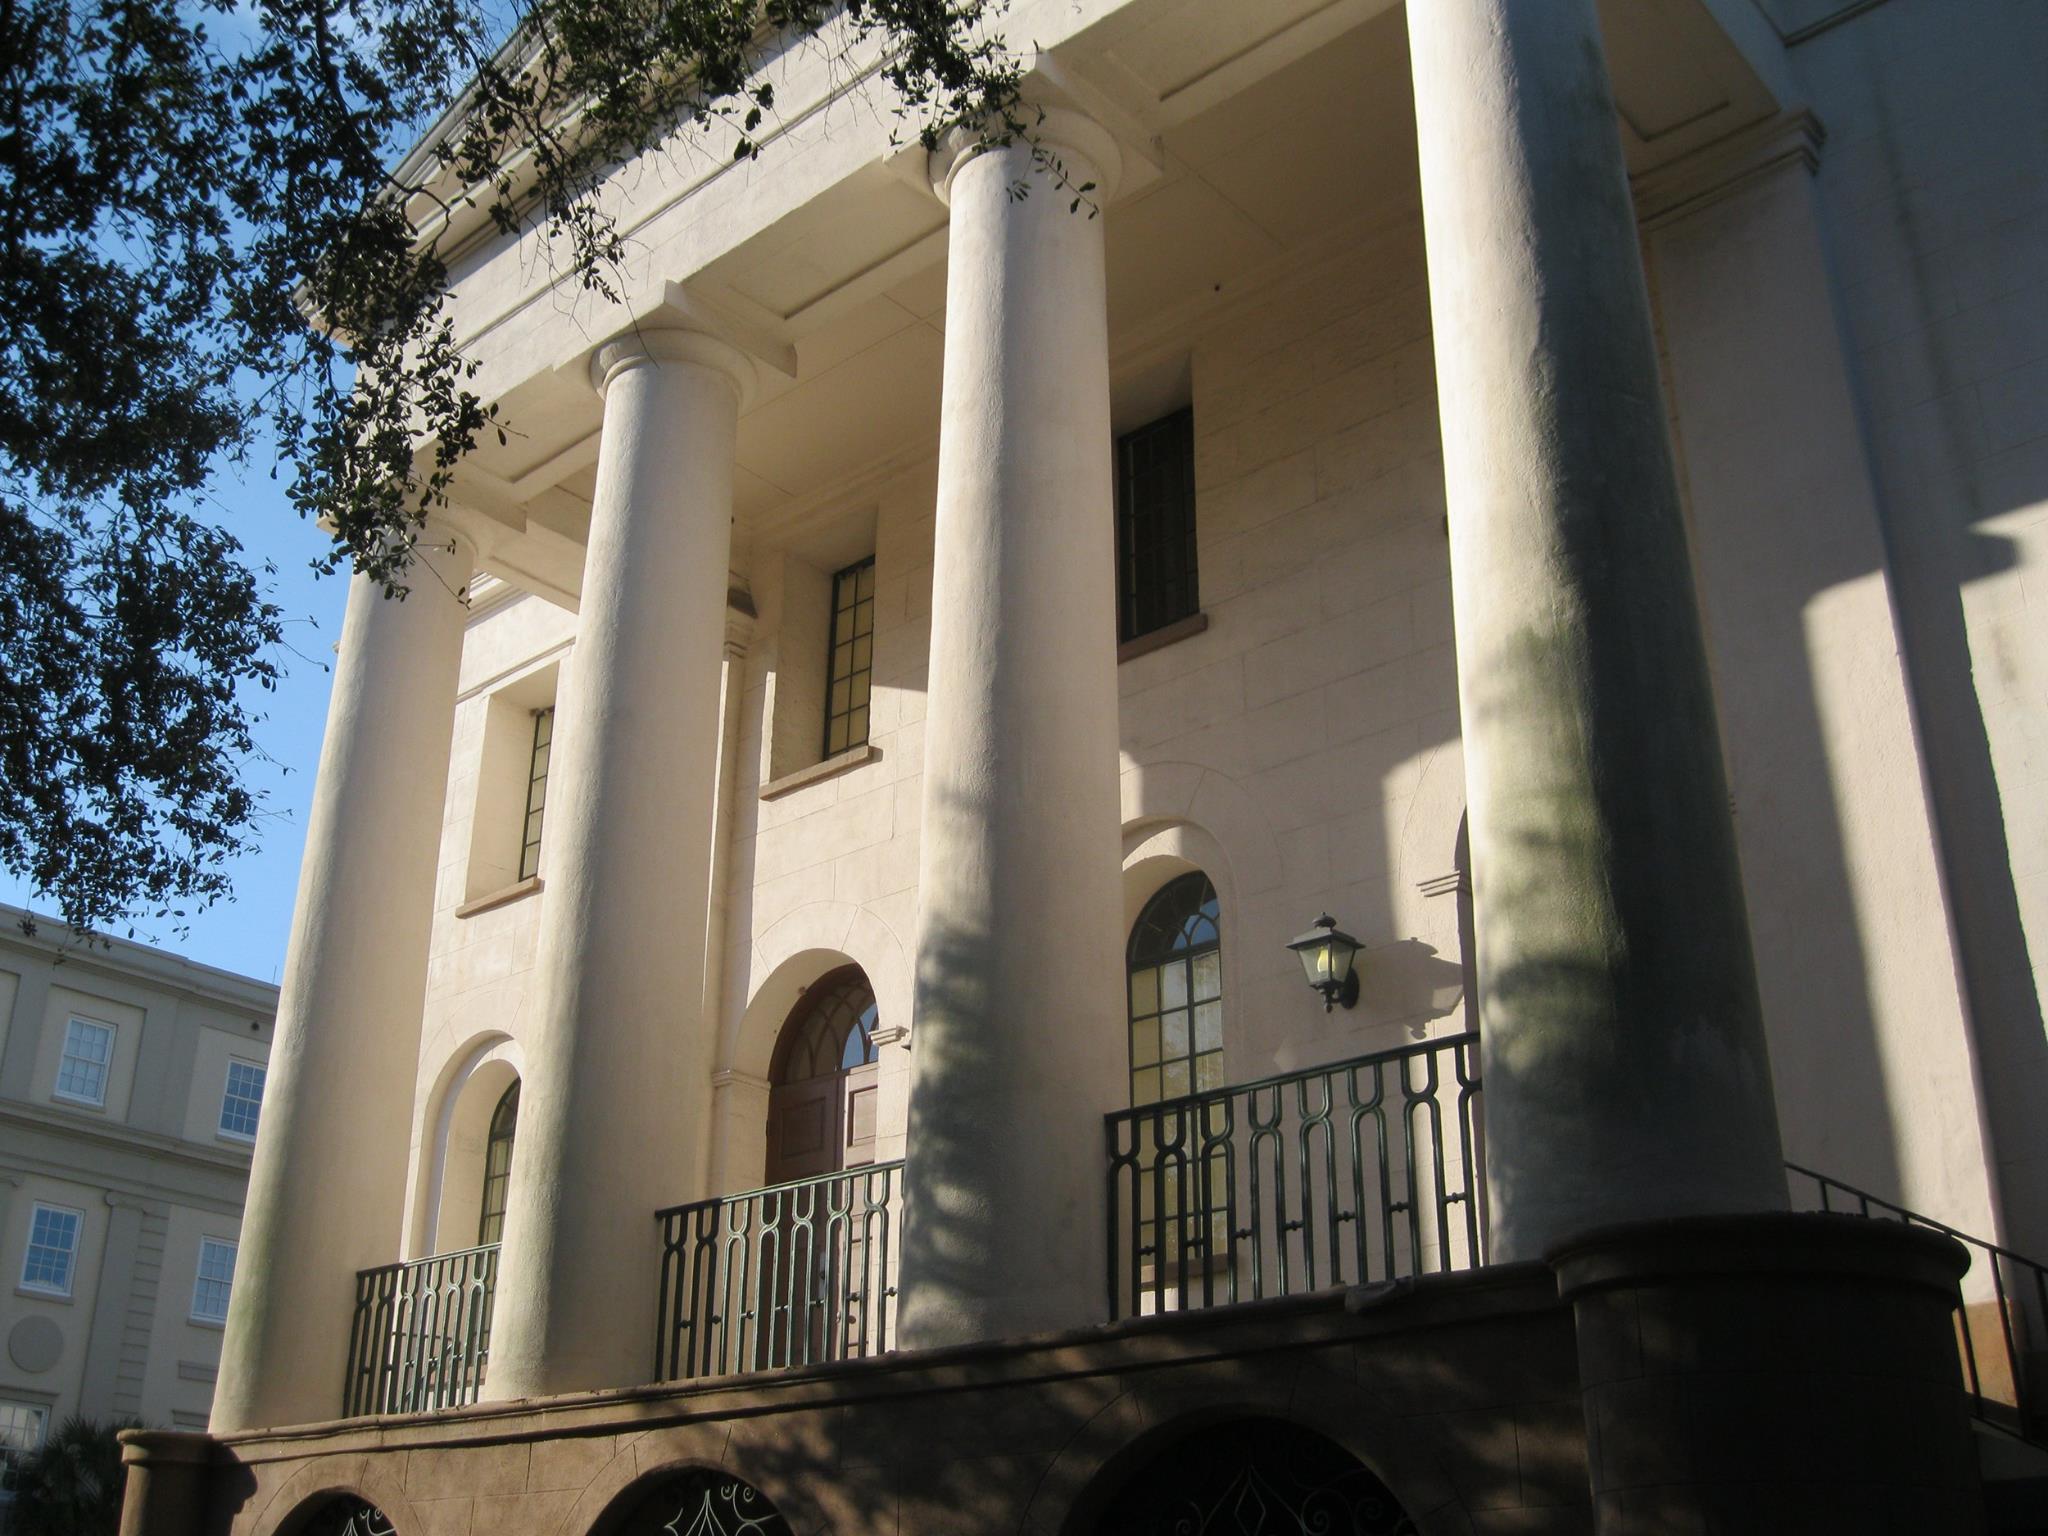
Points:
[(1327, 953)]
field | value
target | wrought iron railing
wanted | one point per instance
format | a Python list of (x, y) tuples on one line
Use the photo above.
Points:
[(422, 1333), (1343, 1174), (1994, 1349), (796, 1274)]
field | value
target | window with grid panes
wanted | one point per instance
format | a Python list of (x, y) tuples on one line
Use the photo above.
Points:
[(241, 1102), (214, 1284), (536, 791), (498, 1168), (52, 1249), (1174, 974), (851, 666), (88, 1056), (1155, 526), (22, 1426)]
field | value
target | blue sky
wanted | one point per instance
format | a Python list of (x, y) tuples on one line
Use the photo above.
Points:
[(248, 933)]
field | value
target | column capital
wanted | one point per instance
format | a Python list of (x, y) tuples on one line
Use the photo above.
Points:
[(1083, 150), (646, 346)]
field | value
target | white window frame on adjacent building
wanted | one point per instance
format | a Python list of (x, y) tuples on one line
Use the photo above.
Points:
[(22, 1428), (89, 1079), (214, 1280), (232, 1101), (40, 1233)]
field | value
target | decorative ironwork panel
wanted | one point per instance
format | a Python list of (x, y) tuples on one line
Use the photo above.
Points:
[(702, 1502), (1254, 1477), (1360, 1171), (422, 1333), (797, 1274), (349, 1517), (1994, 1350)]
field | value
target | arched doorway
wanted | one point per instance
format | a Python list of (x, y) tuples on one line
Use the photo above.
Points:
[(1253, 1477), (699, 1502), (823, 1080), (345, 1516)]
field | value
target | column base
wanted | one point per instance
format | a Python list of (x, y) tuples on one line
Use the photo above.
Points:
[(167, 1482), (1771, 1373)]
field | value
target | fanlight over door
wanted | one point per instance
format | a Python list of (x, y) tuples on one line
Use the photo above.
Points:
[(821, 1102)]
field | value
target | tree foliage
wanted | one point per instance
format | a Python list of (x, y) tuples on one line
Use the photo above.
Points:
[(185, 187), (72, 1484)]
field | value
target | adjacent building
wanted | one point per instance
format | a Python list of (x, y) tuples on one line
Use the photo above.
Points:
[(131, 1089), (796, 1018)]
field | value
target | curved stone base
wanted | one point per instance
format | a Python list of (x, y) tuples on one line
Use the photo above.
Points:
[(1753, 1374)]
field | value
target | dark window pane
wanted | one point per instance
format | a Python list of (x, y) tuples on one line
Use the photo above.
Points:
[(1155, 500), (849, 663)]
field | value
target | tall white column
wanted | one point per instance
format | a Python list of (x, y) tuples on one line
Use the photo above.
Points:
[(612, 1107), (1017, 1036), (327, 1186), (1626, 1074)]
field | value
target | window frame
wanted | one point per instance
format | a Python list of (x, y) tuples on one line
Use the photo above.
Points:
[(227, 1097), (532, 828), (201, 1278), (1141, 613), (28, 1250), (854, 673), (11, 1456), (63, 1095), (1180, 954), (498, 1133)]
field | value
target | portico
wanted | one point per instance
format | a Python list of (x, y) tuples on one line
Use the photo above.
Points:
[(1446, 597)]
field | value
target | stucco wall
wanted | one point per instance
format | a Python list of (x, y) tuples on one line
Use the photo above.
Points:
[(1936, 205), (151, 1173)]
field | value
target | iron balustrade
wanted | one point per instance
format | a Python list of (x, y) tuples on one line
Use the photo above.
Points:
[(1994, 1357), (422, 1333), (1344, 1174), (795, 1274)]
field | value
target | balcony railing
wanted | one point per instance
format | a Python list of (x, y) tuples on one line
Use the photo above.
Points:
[(797, 1274), (1995, 1348), (1343, 1174), (422, 1333)]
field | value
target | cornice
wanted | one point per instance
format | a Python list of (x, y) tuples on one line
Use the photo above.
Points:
[(126, 959), (1723, 168)]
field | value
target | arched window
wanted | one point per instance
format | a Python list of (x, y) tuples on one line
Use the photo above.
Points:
[(700, 1502), (498, 1167), (824, 1080), (832, 1029), (1175, 992), (345, 1516)]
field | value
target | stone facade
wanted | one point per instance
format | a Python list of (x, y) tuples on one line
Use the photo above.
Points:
[(150, 1154), (1501, 369)]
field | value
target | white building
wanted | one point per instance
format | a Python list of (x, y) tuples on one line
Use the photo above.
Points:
[(920, 672), (131, 1085)]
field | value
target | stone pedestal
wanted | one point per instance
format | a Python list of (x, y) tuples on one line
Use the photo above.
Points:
[(1745, 1375), (167, 1490)]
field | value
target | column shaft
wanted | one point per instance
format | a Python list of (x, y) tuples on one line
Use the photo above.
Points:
[(612, 1109), (1017, 1033), (1626, 1073), (327, 1185)]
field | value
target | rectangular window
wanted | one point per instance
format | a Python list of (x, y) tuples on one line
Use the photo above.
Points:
[(21, 1435), (242, 1103), (536, 790), (52, 1249), (88, 1057), (852, 664), (215, 1281), (1155, 526)]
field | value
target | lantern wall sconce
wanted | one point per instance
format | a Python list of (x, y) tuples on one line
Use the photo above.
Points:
[(1327, 954)]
